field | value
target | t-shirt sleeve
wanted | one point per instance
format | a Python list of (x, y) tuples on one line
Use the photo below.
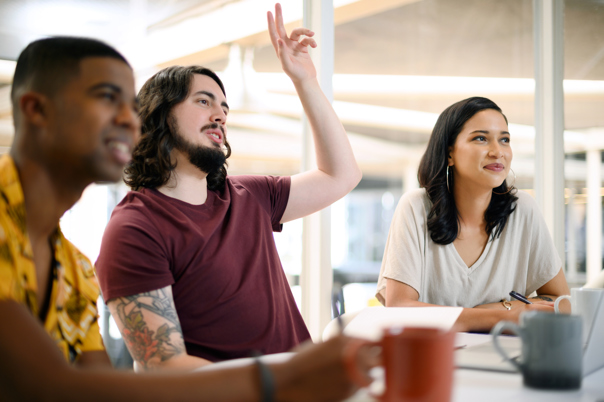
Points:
[(403, 256), (133, 257), (272, 192), (544, 261)]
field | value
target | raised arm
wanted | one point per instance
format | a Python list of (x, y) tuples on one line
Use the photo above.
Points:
[(151, 330), (337, 172), (32, 368)]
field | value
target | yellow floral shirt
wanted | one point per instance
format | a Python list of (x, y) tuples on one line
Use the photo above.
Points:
[(71, 320)]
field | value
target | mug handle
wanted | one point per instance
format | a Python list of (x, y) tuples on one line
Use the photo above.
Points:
[(557, 303), (351, 367), (497, 330)]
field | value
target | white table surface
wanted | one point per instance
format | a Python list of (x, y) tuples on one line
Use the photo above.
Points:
[(491, 386), (476, 385), (488, 386)]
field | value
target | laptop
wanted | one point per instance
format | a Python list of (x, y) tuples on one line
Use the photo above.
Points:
[(593, 352), (481, 354)]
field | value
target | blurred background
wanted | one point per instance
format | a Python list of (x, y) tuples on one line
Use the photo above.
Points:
[(396, 65)]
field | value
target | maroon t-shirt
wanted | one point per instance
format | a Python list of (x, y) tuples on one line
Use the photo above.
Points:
[(229, 288)]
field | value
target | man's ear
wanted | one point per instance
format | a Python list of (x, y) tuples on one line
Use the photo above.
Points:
[(34, 108)]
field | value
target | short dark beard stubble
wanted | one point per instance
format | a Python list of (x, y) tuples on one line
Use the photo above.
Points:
[(207, 159)]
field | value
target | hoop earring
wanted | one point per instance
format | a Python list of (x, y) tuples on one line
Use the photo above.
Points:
[(447, 170), (511, 187)]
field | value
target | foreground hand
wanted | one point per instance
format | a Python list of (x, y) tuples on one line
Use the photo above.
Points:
[(317, 373), (292, 51)]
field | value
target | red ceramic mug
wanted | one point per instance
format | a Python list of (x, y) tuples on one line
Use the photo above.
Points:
[(418, 364)]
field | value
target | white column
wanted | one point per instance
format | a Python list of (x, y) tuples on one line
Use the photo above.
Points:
[(134, 45), (316, 277), (594, 213), (571, 263), (549, 116), (84, 223)]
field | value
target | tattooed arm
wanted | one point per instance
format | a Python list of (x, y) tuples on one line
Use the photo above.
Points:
[(32, 368), (151, 330)]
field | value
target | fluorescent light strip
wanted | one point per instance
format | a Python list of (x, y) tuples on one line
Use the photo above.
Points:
[(428, 85)]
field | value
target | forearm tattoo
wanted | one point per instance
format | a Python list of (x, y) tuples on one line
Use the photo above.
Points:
[(546, 298), (143, 343)]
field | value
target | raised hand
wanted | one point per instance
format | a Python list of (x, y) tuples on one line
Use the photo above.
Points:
[(292, 50)]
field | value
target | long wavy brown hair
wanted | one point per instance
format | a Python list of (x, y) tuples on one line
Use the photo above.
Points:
[(151, 165), (443, 219)]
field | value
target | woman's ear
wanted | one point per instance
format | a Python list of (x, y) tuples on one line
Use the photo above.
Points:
[(449, 158)]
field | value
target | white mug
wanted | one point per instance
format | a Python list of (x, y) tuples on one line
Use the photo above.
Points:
[(583, 302)]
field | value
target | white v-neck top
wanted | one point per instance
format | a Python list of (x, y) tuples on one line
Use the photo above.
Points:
[(523, 258)]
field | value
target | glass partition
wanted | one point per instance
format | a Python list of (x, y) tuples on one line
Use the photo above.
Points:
[(584, 138)]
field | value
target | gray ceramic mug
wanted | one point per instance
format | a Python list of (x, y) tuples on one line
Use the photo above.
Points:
[(552, 354)]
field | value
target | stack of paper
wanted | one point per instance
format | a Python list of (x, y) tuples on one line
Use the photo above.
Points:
[(371, 322)]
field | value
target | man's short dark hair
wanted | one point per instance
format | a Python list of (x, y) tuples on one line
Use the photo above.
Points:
[(151, 165), (46, 65)]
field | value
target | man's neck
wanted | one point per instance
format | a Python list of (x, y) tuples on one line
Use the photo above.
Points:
[(46, 197), (187, 183)]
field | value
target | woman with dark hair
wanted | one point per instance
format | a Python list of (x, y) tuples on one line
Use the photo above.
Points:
[(466, 238)]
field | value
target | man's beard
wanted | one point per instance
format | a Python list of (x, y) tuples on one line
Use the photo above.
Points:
[(207, 159)]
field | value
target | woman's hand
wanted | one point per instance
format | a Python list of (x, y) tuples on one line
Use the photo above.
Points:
[(518, 307), (514, 313)]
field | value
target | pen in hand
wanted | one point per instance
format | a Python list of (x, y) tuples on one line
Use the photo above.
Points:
[(336, 311), (518, 296)]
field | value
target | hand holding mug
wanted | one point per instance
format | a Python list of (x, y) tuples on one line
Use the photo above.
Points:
[(418, 364)]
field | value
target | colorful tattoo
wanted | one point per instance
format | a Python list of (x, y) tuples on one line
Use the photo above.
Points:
[(143, 343), (546, 298)]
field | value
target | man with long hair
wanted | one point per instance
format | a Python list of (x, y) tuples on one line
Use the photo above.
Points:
[(188, 264), (75, 116)]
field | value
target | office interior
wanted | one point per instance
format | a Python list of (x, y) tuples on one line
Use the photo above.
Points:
[(390, 66)]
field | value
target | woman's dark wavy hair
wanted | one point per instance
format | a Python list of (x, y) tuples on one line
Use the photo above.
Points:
[(151, 165), (443, 219)]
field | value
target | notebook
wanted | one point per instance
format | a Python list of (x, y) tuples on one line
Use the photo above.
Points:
[(371, 322), (593, 353)]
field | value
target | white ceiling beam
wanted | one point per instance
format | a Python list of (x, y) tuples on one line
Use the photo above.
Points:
[(262, 137), (357, 114), (399, 85), (202, 34)]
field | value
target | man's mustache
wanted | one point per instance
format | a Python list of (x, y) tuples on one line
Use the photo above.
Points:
[(213, 126)]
